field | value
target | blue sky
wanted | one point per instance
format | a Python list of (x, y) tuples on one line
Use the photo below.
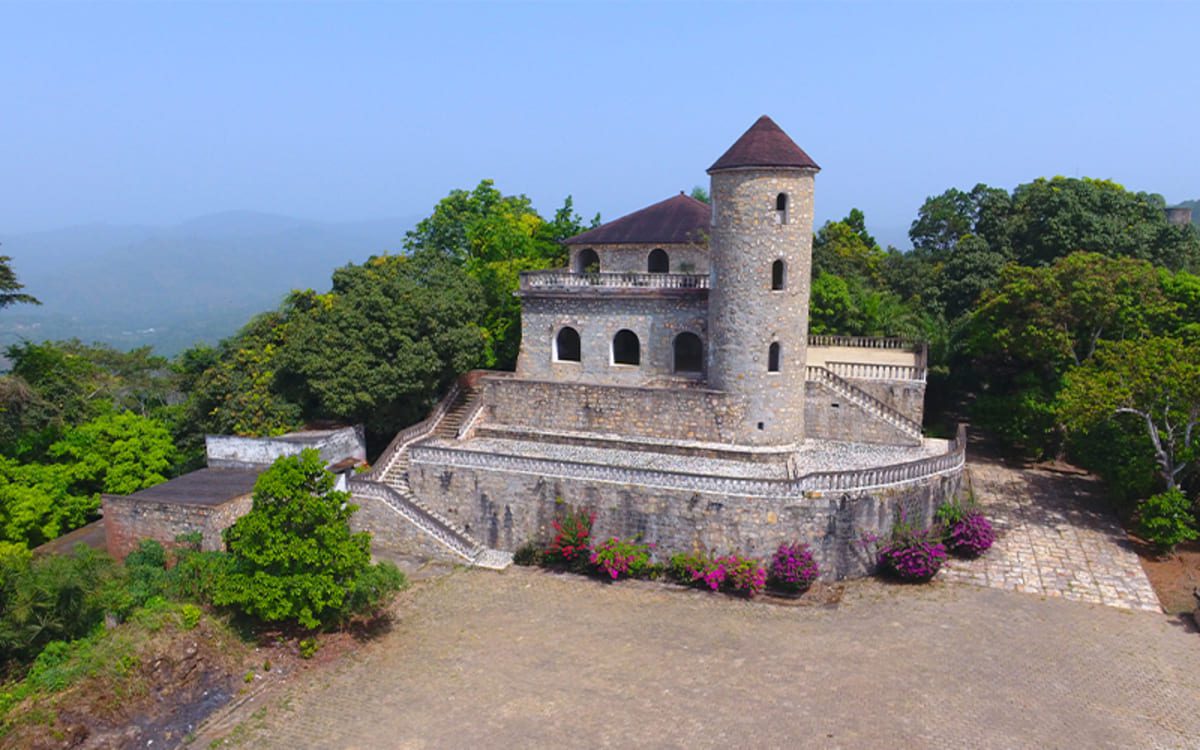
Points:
[(154, 113)]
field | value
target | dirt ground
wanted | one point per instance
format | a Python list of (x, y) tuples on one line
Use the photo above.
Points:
[(1174, 576)]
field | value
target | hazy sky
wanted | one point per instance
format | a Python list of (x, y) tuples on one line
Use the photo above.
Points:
[(153, 113)]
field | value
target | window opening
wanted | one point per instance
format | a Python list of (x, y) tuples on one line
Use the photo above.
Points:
[(626, 349), (778, 275), (658, 261), (587, 261), (781, 208), (773, 358), (566, 345), (689, 353)]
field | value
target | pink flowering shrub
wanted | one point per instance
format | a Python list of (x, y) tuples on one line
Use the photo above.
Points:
[(572, 539), (731, 573), (970, 536), (912, 555), (615, 558), (743, 575), (792, 568)]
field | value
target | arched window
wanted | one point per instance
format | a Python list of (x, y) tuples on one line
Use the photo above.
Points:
[(658, 261), (778, 275), (689, 353), (566, 345), (781, 208), (587, 261), (773, 358), (626, 349)]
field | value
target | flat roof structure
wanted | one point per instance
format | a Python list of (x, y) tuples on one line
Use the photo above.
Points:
[(203, 487)]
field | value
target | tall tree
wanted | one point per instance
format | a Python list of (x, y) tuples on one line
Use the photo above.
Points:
[(10, 288)]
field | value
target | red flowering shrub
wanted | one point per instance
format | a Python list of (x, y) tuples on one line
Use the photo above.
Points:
[(571, 546)]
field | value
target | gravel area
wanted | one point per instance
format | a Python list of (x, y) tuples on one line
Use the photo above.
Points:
[(812, 456)]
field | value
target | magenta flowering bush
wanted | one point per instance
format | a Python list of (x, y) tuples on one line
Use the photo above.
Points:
[(971, 535), (912, 555), (616, 558), (792, 568), (731, 573), (743, 575), (571, 545)]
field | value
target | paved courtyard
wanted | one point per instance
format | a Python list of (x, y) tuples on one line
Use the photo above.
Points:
[(1056, 537), (526, 658)]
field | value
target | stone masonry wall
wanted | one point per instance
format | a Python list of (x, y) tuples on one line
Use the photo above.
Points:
[(745, 314), (504, 509), (905, 396), (127, 522), (682, 414), (633, 257), (656, 320), (828, 416), (392, 536)]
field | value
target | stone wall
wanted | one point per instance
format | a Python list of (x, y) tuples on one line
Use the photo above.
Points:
[(828, 416), (236, 452), (746, 316), (393, 537), (127, 521), (656, 319), (683, 258), (905, 396), (503, 509), (683, 414)]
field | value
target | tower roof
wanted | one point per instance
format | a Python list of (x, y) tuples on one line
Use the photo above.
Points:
[(764, 145), (678, 219)]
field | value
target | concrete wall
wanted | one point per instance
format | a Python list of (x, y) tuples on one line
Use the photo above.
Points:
[(828, 416), (745, 314), (128, 521), (684, 258), (233, 451), (656, 320), (680, 414), (503, 509)]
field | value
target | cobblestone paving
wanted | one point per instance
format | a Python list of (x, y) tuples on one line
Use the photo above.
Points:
[(525, 659), (1055, 537)]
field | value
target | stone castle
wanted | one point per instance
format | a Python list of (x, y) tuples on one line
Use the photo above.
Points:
[(667, 382)]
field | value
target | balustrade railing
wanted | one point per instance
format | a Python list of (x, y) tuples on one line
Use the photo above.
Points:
[(864, 371), (630, 280), (824, 481), (864, 342), (411, 433)]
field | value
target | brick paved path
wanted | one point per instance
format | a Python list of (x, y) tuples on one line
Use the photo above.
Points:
[(1056, 537), (527, 659)]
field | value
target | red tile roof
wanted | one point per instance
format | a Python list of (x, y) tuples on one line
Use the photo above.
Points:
[(764, 145), (676, 220)]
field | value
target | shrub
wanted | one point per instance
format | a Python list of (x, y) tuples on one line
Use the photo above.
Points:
[(687, 567), (189, 616), (970, 536), (616, 558), (742, 575), (792, 568), (572, 538), (529, 553), (911, 554), (1166, 519), (372, 589), (308, 648)]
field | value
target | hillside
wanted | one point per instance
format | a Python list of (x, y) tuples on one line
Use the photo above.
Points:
[(171, 287)]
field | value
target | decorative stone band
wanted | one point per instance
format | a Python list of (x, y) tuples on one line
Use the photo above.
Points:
[(423, 518), (807, 485), (566, 279), (864, 400), (862, 371)]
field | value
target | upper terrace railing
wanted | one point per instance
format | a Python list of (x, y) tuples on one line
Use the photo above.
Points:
[(630, 280), (863, 342)]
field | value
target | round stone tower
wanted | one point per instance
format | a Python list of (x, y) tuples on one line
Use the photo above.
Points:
[(761, 260)]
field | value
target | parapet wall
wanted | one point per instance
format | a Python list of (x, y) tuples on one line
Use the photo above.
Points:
[(676, 414), (505, 503), (236, 452)]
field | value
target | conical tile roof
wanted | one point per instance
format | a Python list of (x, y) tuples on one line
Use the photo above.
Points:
[(764, 145)]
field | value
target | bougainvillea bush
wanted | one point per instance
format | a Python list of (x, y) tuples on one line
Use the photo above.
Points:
[(616, 558), (971, 535), (688, 567), (571, 545), (793, 568), (734, 573), (912, 555), (742, 575)]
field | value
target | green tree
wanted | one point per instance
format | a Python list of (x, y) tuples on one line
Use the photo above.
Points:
[(119, 453), (700, 193), (293, 557), (10, 288), (1154, 380), (392, 334), (38, 502)]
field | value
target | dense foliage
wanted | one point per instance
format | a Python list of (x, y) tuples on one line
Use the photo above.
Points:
[(293, 558), (792, 568)]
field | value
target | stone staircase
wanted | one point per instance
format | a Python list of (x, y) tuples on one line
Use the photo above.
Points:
[(391, 487), (865, 401)]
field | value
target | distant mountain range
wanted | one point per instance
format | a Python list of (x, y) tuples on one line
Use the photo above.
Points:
[(171, 287)]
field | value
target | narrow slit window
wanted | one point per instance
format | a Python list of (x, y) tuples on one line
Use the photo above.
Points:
[(773, 358), (566, 345), (781, 208), (778, 275)]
